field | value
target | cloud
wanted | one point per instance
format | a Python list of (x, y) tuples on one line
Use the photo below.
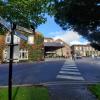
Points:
[(70, 37), (67, 36), (57, 33), (79, 42)]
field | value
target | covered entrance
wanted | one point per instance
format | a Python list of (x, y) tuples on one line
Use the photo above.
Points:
[(51, 49)]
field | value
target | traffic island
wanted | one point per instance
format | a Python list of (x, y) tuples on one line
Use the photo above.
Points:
[(26, 93)]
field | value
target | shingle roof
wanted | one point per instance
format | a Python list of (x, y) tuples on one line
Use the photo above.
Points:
[(53, 44)]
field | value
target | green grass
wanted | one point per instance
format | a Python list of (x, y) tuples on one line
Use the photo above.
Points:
[(26, 93), (95, 89)]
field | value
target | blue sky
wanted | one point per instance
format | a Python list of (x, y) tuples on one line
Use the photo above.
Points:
[(49, 26), (51, 29)]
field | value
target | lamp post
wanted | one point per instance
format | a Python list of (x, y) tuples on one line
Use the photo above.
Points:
[(11, 61)]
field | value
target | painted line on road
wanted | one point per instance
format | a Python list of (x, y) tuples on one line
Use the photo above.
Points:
[(73, 73), (69, 65), (69, 69), (70, 77), (69, 62)]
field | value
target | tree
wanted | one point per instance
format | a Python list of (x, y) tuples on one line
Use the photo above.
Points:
[(82, 16), (24, 12)]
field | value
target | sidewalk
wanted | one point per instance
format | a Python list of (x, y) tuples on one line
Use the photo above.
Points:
[(70, 92)]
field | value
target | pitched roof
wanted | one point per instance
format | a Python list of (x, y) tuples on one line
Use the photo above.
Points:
[(60, 40)]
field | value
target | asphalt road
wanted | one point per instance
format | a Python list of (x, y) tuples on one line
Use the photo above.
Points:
[(53, 72), (29, 73), (90, 69)]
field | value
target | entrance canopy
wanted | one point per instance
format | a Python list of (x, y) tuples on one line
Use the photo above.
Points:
[(51, 47), (53, 44)]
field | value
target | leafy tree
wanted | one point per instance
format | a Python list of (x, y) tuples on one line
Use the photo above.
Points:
[(82, 16), (2, 30), (24, 12)]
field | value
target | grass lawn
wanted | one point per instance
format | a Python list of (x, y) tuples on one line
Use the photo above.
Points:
[(26, 93), (95, 89)]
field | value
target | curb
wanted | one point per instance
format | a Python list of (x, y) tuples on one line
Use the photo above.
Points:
[(25, 85)]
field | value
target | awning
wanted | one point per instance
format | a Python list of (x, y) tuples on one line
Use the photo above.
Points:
[(53, 44)]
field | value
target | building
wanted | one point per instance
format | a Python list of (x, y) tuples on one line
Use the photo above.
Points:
[(84, 50), (23, 51), (56, 48), (66, 49)]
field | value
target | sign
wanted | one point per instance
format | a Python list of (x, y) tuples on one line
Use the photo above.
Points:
[(31, 39), (21, 36), (5, 24), (20, 28)]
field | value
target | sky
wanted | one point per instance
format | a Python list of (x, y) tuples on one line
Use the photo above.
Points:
[(53, 30)]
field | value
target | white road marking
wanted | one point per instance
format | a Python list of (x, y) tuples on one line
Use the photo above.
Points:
[(70, 65), (69, 69), (70, 77), (73, 73)]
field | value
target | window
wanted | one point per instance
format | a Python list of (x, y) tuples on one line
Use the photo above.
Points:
[(31, 39), (45, 40), (23, 54), (16, 39), (80, 48), (76, 48), (8, 39), (87, 48)]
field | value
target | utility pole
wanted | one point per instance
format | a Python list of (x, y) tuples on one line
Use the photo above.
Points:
[(11, 61)]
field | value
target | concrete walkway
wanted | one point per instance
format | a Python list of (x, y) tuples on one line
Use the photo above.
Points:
[(70, 92)]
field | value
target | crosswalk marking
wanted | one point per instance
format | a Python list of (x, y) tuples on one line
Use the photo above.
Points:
[(70, 71), (73, 73), (69, 67), (70, 77)]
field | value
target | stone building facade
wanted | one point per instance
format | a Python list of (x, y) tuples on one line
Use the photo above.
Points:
[(84, 50), (65, 51)]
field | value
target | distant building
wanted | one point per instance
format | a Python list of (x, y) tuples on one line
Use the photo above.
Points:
[(56, 48), (84, 50)]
